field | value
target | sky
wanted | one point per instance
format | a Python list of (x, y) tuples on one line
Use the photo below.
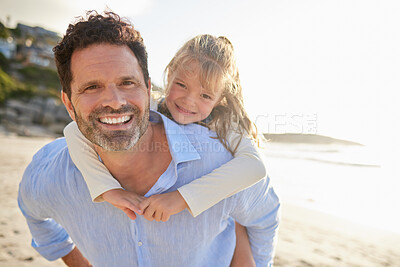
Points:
[(312, 66)]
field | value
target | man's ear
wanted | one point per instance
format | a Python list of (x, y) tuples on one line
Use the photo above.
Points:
[(68, 105)]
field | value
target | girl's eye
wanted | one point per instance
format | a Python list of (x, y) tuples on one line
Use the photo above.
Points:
[(181, 84), (205, 96)]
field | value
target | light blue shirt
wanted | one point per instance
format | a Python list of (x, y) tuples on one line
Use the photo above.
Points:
[(55, 200)]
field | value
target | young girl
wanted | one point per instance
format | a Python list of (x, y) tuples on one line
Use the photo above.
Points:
[(202, 86)]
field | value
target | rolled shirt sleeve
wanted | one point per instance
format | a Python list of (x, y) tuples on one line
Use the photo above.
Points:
[(49, 238), (259, 211)]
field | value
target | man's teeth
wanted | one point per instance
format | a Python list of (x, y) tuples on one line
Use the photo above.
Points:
[(115, 120)]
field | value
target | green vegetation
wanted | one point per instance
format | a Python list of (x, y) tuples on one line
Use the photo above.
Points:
[(44, 78), (17, 80), (4, 63), (10, 88), (39, 76), (16, 32), (34, 81), (4, 32)]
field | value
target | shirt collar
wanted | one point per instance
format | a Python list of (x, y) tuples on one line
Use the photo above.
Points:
[(180, 147), (181, 150)]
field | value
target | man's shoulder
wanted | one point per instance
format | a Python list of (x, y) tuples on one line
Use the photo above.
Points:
[(49, 164), (205, 140), (51, 152)]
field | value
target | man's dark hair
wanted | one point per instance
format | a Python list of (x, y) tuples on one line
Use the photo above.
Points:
[(97, 29)]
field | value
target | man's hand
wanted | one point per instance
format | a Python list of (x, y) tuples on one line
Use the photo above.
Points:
[(76, 259), (161, 207), (124, 200)]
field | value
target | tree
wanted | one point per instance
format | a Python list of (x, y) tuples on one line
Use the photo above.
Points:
[(4, 32), (10, 88)]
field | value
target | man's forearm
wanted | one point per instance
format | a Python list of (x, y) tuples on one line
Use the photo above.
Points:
[(243, 255), (76, 259), (259, 210)]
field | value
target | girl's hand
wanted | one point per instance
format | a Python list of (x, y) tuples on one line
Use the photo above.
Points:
[(161, 207), (124, 200)]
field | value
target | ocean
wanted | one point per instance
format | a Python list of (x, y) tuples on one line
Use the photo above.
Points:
[(347, 181)]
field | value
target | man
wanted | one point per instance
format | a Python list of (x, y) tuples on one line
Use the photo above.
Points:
[(102, 64)]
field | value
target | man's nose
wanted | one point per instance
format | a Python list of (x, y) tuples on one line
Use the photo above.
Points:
[(113, 97)]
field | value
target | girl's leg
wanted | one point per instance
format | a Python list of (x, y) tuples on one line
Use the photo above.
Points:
[(243, 256)]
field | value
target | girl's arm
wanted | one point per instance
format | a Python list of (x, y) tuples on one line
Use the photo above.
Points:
[(244, 170), (96, 175), (102, 185), (241, 172)]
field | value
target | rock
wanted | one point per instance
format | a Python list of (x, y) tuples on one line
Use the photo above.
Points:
[(36, 117), (48, 117), (57, 128), (10, 114), (34, 130), (62, 115), (27, 109), (24, 119), (23, 107)]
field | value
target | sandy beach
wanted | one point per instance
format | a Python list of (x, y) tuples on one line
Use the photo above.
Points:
[(307, 237)]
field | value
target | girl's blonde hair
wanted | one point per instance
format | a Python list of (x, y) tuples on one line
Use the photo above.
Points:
[(217, 68)]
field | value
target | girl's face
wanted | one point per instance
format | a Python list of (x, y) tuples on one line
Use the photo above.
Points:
[(187, 100)]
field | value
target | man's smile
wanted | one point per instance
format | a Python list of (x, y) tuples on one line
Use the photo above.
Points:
[(115, 120)]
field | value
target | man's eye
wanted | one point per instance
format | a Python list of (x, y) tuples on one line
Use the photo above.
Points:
[(92, 87), (127, 83)]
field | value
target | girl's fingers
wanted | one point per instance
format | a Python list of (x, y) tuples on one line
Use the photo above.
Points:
[(134, 207), (158, 216), (165, 217), (149, 213), (144, 204), (130, 214)]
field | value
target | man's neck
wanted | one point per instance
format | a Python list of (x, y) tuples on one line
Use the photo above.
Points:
[(139, 168)]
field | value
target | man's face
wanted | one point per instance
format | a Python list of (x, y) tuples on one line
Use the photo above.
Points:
[(109, 97)]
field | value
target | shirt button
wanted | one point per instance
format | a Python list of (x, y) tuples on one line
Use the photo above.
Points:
[(140, 244)]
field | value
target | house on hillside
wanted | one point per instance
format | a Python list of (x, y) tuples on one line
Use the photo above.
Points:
[(36, 46), (8, 47), (34, 55), (37, 32)]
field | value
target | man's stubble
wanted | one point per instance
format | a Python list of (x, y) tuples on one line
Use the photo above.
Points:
[(114, 140)]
